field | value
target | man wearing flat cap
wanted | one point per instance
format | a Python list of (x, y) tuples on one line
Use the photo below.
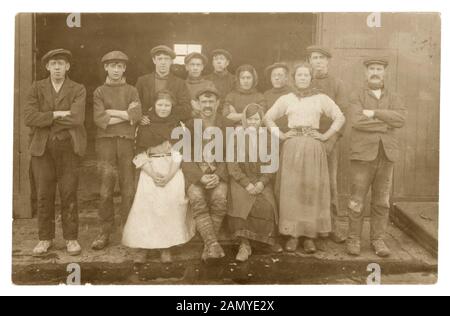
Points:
[(319, 58), (195, 64), (278, 74), (117, 112), (377, 114), (207, 182), (223, 80), (162, 79), (55, 112)]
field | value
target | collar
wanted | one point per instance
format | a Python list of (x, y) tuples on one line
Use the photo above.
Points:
[(320, 76), (247, 92), (384, 92), (281, 90), (115, 84), (54, 85), (221, 74), (194, 80), (159, 77)]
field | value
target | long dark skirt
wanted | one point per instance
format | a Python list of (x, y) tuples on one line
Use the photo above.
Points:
[(260, 224), (303, 188)]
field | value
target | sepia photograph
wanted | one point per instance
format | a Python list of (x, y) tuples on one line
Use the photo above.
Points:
[(226, 148)]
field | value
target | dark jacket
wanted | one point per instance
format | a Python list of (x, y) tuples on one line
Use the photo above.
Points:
[(241, 175), (192, 170), (225, 83), (39, 114), (367, 134), (272, 95), (147, 94), (335, 89)]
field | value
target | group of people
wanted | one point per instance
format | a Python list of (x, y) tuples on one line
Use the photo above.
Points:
[(168, 200)]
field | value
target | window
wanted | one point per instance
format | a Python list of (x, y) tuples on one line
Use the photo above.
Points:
[(182, 50)]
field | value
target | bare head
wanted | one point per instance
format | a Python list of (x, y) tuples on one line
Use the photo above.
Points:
[(303, 75)]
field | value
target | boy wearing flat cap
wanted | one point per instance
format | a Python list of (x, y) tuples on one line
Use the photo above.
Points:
[(377, 114), (55, 112), (195, 64), (223, 80), (319, 58), (117, 112), (162, 79)]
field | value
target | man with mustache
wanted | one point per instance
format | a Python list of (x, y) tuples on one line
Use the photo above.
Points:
[(377, 114), (162, 78), (319, 58), (207, 182), (55, 112)]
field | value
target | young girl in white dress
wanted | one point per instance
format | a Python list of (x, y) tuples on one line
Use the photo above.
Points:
[(159, 217)]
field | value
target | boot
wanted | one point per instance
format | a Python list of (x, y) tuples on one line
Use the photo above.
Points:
[(42, 248), (101, 242), (380, 248), (245, 251), (73, 248), (309, 246), (212, 249), (354, 247), (276, 248), (292, 244)]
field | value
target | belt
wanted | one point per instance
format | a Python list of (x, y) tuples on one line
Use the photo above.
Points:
[(303, 130), (159, 155)]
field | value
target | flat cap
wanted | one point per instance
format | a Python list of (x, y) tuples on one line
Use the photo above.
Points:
[(212, 90), (115, 56), (163, 49), (269, 69), (376, 60), (223, 52), (319, 49), (188, 58), (55, 53)]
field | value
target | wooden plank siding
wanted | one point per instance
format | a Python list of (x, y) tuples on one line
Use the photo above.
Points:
[(24, 67), (412, 43)]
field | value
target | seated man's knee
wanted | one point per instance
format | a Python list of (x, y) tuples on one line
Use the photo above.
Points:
[(219, 196), (197, 199), (355, 206)]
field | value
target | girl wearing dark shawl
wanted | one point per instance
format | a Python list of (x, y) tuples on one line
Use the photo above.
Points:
[(253, 213), (159, 217), (244, 94)]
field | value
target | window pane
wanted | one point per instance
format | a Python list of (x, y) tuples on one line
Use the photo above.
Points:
[(181, 49), (179, 60), (194, 49)]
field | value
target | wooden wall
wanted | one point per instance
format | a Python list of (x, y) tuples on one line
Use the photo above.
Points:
[(24, 67), (412, 43)]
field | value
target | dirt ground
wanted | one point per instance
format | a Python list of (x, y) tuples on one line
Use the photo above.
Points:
[(409, 263)]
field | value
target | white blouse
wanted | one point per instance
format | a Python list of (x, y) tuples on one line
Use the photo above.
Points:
[(306, 112)]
